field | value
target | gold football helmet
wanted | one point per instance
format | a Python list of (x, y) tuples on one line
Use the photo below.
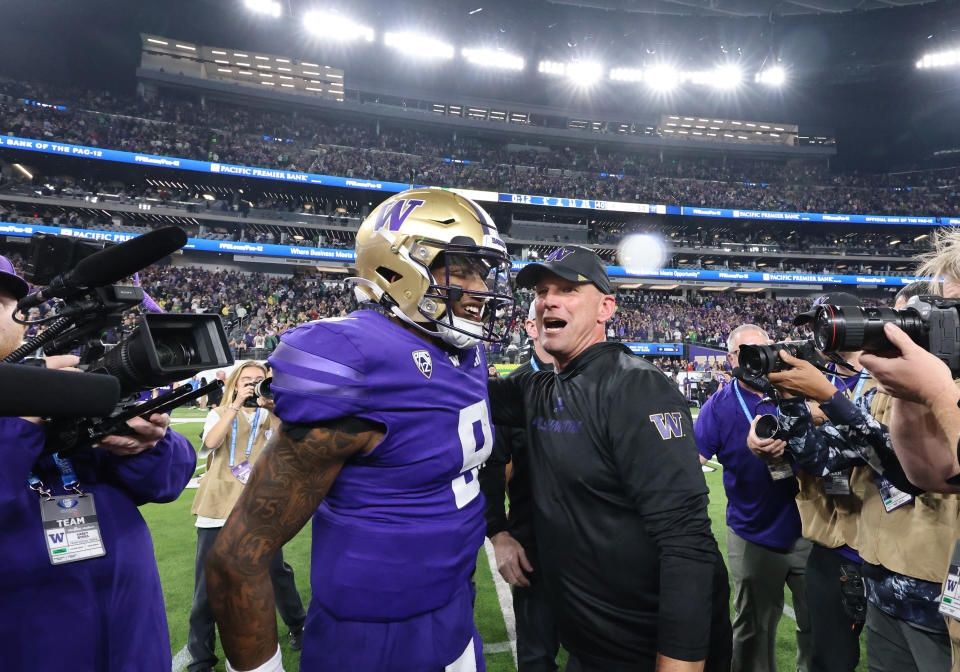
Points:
[(422, 230)]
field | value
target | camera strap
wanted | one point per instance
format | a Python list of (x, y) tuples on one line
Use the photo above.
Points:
[(253, 434), (743, 404)]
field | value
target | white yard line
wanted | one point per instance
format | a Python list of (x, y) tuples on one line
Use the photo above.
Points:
[(181, 660), (506, 601)]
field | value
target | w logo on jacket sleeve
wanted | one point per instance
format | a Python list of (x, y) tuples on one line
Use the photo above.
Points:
[(668, 424)]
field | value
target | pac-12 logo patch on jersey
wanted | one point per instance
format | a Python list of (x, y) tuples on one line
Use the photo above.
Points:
[(668, 424), (423, 361)]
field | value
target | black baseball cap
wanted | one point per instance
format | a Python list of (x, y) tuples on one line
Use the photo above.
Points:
[(833, 299), (570, 262), (12, 282)]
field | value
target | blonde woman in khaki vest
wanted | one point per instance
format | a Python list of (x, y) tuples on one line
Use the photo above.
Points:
[(234, 435)]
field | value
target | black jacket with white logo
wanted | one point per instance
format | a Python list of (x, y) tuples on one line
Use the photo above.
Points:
[(620, 510)]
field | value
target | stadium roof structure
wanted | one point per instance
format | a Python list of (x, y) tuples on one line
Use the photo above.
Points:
[(738, 8)]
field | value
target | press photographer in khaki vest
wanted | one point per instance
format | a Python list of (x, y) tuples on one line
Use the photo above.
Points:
[(234, 435)]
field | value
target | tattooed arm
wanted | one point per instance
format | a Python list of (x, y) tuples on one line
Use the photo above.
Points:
[(289, 481)]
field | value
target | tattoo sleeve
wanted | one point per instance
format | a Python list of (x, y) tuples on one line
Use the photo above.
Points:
[(288, 482)]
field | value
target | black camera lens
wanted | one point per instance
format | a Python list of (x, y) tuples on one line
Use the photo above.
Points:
[(759, 360), (851, 328), (767, 426), (177, 353)]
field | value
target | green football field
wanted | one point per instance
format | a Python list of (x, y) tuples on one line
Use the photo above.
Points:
[(174, 538)]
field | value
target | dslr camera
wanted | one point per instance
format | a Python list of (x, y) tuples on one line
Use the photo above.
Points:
[(262, 390), (932, 322)]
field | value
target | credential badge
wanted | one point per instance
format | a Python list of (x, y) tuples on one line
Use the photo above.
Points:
[(67, 503), (423, 361)]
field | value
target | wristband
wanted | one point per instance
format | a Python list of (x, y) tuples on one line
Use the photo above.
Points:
[(275, 664)]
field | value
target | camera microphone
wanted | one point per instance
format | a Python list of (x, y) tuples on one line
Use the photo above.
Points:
[(30, 390), (110, 265)]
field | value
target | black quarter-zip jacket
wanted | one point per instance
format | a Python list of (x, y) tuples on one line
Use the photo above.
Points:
[(620, 510)]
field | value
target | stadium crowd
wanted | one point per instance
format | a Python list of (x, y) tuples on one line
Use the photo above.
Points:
[(305, 142), (262, 307)]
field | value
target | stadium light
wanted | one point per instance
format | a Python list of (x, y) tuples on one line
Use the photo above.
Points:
[(939, 59), (336, 27), (584, 73), (725, 77), (627, 74), (552, 68), (494, 58), (661, 78), (271, 7), (420, 47), (772, 76)]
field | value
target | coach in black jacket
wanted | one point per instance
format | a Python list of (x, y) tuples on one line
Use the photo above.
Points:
[(620, 503), (513, 536)]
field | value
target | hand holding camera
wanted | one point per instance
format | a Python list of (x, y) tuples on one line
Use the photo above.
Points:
[(801, 379), (767, 449)]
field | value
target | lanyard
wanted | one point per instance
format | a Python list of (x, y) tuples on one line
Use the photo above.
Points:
[(68, 477), (533, 363), (743, 404), (864, 374), (253, 433)]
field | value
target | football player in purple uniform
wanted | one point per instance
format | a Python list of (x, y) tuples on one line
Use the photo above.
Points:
[(386, 423)]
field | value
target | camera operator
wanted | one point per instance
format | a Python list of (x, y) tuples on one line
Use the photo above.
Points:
[(99, 605), (856, 497), (234, 435), (765, 550)]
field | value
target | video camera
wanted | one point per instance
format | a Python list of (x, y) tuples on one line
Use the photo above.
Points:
[(162, 348), (932, 322)]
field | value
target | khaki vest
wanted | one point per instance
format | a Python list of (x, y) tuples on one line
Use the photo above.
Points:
[(219, 489), (915, 540), (832, 520)]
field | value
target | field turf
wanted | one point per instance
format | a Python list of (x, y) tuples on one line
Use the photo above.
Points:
[(175, 540)]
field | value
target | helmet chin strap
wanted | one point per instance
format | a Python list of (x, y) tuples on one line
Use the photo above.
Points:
[(458, 339)]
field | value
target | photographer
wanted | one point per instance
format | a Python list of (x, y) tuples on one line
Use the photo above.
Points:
[(854, 496), (234, 435), (765, 550), (106, 593)]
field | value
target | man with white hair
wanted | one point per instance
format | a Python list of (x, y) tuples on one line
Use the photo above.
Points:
[(764, 546)]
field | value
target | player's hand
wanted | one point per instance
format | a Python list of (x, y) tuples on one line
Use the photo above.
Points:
[(146, 435), (511, 559), (914, 375), (765, 449), (802, 379)]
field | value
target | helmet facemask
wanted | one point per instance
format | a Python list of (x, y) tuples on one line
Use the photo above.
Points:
[(484, 313)]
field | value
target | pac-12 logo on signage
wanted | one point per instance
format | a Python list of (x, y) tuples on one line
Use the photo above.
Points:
[(394, 215), (668, 424)]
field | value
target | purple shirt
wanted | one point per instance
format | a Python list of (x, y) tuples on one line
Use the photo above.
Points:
[(759, 509), (103, 613), (399, 531)]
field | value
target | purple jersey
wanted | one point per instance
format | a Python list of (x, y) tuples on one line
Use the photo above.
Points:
[(399, 531)]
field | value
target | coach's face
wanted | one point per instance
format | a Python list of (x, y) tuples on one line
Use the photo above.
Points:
[(570, 316)]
